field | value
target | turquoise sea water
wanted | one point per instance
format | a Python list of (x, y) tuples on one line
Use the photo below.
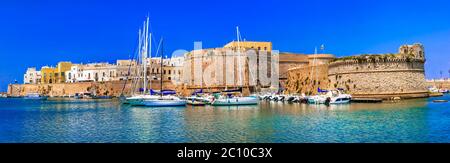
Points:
[(416, 121)]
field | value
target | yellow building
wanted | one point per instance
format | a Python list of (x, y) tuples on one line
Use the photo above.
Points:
[(60, 76), (251, 45), (47, 75), (55, 75)]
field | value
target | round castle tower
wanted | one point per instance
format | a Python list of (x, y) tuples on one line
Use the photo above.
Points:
[(382, 76)]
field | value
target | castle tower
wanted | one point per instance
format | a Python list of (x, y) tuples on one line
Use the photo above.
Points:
[(416, 51)]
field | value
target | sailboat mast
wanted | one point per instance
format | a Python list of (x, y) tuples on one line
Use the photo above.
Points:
[(138, 73), (312, 69), (162, 54), (145, 54), (239, 56), (150, 55)]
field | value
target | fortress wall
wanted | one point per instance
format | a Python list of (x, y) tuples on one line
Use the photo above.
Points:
[(381, 79), (299, 79)]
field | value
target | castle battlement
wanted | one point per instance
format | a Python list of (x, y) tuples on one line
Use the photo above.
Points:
[(350, 62), (372, 75)]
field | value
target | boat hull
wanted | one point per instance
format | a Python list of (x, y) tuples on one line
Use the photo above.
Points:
[(195, 103), (340, 102), (159, 103), (235, 101), (35, 98)]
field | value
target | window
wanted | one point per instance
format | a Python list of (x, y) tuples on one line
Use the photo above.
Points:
[(169, 72)]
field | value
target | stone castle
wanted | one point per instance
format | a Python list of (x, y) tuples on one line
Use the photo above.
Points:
[(376, 75)]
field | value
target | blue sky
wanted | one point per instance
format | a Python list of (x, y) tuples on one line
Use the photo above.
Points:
[(38, 33)]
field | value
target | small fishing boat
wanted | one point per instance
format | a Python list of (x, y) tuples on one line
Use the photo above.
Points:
[(35, 96)]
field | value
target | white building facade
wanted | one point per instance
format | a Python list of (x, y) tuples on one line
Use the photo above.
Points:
[(32, 76)]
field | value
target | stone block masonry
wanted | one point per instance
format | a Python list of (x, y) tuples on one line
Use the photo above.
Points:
[(307, 79), (380, 79)]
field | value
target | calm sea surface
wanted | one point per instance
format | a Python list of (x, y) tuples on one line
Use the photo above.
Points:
[(418, 120)]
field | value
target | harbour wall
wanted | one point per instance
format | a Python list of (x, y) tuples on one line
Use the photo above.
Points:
[(110, 88)]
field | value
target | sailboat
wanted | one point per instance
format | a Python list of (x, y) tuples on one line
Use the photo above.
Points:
[(144, 50), (229, 98), (166, 98)]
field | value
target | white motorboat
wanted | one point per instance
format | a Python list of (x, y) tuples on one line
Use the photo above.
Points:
[(338, 97), (331, 97), (230, 101)]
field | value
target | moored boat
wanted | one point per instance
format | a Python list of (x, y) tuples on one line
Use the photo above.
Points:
[(229, 100), (164, 101), (338, 97), (35, 96)]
